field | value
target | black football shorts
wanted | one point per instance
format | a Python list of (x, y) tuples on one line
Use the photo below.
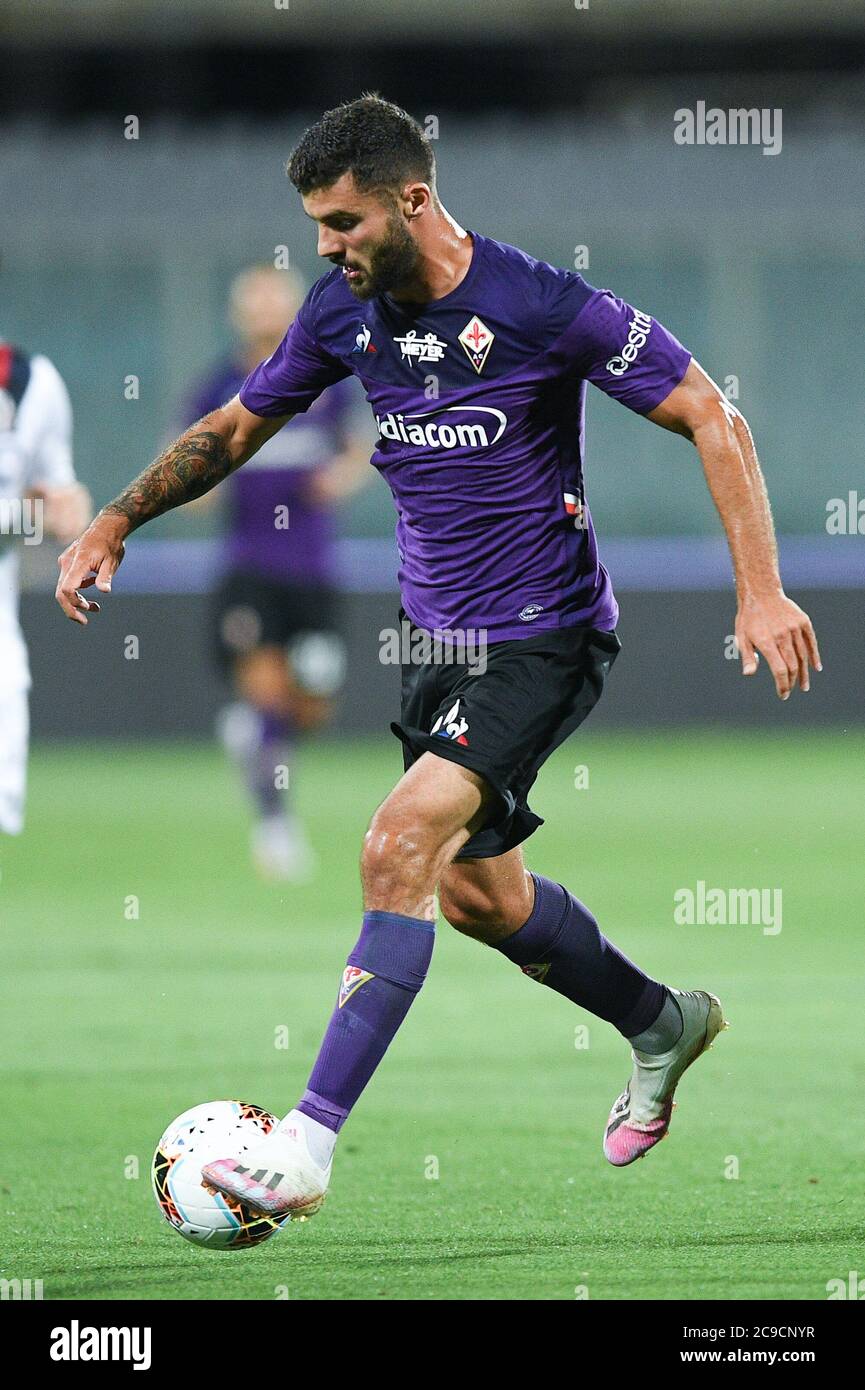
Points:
[(503, 721), (250, 611)]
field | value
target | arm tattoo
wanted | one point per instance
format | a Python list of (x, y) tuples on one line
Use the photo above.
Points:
[(187, 469)]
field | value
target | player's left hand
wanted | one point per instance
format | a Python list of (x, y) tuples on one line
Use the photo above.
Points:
[(778, 628), (92, 559)]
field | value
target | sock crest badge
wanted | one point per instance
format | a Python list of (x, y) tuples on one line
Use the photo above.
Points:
[(537, 972), (352, 979)]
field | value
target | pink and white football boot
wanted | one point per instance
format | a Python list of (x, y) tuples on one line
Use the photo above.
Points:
[(640, 1117), (281, 1176)]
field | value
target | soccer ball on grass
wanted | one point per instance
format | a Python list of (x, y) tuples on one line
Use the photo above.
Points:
[(217, 1129)]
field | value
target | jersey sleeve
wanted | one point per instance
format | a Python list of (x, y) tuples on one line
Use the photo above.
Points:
[(288, 381), (626, 353), (45, 418)]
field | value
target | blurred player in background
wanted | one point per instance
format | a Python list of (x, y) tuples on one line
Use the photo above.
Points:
[(38, 493), (275, 623)]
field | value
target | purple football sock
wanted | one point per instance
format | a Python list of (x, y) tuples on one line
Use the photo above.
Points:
[(561, 946), (384, 973), (271, 750)]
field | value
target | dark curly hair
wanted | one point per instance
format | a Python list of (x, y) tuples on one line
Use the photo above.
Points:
[(376, 141)]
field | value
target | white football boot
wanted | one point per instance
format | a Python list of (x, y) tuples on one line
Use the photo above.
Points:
[(279, 1177), (641, 1116)]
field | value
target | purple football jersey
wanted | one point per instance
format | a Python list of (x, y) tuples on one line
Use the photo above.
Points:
[(279, 476), (479, 399)]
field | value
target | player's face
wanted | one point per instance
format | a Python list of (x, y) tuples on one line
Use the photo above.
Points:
[(368, 237)]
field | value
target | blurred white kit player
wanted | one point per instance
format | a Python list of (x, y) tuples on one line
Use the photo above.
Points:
[(38, 495)]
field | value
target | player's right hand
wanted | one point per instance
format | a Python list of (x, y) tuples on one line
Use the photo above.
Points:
[(91, 559)]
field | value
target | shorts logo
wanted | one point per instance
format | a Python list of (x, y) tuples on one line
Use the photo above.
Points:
[(530, 612), (640, 327), (477, 340), (362, 342), (451, 725), (352, 979), (536, 972)]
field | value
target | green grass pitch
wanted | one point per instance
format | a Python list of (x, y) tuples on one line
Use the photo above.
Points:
[(472, 1167)]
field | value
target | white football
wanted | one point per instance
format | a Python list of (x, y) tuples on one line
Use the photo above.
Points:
[(217, 1129)]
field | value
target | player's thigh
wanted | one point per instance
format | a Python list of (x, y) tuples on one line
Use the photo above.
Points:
[(262, 677), (482, 896), (266, 679), (431, 812)]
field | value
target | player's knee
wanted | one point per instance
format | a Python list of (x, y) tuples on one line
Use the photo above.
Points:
[(311, 712), (262, 680), (398, 848)]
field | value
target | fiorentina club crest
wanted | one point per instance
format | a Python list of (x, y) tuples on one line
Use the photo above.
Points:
[(537, 972), (352, 978), (477, 340)]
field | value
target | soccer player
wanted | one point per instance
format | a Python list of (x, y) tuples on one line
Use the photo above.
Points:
[(38, 493), (475, 357), (275, 620)]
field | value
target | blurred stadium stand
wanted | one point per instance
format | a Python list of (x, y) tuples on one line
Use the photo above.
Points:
[(94, 21), (556, 133), (121, 264)]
